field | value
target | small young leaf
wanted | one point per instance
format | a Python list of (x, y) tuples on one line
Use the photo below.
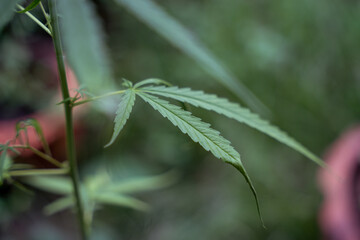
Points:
[(230, 110), (142, 184), (83, 44), (120, 200), (200, 132), (127, 83), (152, 81), (31, 6), (7, 8), (123, 112), (168, 27)]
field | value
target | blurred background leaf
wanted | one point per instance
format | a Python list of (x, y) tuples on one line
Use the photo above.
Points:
[(298, 57), (172, 30), (7, 10), (84, 45)]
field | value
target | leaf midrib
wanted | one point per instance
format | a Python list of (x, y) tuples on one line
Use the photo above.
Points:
[(196, 130), (201, 100)]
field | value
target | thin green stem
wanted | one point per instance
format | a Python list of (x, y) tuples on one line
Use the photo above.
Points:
[(43, 11), (97, 97), (46, 157), (36, 172), (40, 154), (20, 146), (70, 139), (37, 21), (46, 15)]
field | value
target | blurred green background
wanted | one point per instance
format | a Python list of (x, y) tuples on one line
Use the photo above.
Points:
[(299, 57)]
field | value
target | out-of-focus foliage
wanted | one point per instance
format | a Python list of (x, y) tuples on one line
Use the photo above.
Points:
[(299, 57), (6, 12), (82, 37), (172, 30)]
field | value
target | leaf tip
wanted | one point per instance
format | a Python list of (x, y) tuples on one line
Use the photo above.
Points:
[(242, 170), (109, 143)]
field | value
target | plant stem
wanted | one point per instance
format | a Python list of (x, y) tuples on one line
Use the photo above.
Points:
[(35, 20), (37, 172), (46, 157), (70, 139), (47, 17), (40, 154)]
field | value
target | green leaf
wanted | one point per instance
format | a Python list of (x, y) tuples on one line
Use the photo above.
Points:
[(59, 205), (120, 200), (83, 43), (123, 112), (7, 10), (152, 81), (168, 27), (57, 185), (126, 83), (142, 184), (200, 132), (31, 6), (231, 110)]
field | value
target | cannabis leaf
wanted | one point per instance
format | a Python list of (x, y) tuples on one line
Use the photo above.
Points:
[(99, 189), (230, 110), (200, 132), (173, 31), (143, 183), (122, 113), (56, 185)]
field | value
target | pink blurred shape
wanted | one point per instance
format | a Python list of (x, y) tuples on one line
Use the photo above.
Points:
[(340, 213)]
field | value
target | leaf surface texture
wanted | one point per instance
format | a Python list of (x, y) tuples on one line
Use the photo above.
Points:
[(230, 110)]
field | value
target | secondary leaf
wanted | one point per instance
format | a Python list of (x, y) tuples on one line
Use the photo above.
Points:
[(7, 10), (31, 6), (168, 27), (83, 44), (142, 184), (230, 110), (200, 132), (123, 112)]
